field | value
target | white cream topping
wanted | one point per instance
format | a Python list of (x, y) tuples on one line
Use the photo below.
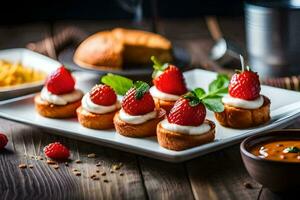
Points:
[(162, 95), (62, 99), (90, 106), (190, 130), (241, 103), (137, 119)]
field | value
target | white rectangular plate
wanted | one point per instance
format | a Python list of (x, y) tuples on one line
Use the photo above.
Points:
[(28, 59), (285, 107)]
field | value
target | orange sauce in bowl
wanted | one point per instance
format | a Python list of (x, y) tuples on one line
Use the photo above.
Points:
[(279, 150)]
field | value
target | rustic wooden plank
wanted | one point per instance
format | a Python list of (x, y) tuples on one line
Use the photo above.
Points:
[(45, 182), (221, 175), (165, 180)]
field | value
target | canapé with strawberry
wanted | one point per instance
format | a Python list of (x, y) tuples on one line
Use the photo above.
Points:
[(169, 84), (59, 98), (138, 116), (244, 106), (98, 108)]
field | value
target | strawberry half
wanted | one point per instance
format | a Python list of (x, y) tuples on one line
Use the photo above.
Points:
[(103, 95), (245, 85), (186, 114), (138, 100), (168, 78), (60, 81)]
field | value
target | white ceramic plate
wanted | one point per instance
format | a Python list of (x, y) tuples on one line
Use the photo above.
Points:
[(285, 108), (29, 59)]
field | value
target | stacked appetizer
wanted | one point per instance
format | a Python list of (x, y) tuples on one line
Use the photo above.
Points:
[(58, 98), (244, 105), (169, 84)]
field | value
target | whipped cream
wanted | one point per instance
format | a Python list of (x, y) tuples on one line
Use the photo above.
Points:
[(190, 130), (61, 99), (161, 95), (137, 119), (241, 103), (90, 106)]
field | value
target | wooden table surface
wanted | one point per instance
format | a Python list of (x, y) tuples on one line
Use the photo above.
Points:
[(218, 175)]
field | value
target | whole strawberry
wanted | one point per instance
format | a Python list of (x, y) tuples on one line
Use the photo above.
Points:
[(138, 100), (60, 81), (57, 151), (103, 95), (185, 114), (168, 78), (245, 85), (3, 141)]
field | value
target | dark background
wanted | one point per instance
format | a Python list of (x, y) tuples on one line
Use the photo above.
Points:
[(23, 11)]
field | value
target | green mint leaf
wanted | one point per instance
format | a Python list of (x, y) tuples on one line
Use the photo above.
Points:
[(213, 104), (141, 89), (199, 92), (194, 102), (219, 84), (291, 150), (120, 84)]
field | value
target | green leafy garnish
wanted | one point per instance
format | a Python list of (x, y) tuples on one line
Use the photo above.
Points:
[(120, 84), (141, 89), (291, 150), (158, 66), (212, 100)]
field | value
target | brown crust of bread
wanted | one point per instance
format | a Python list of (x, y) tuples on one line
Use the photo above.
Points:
[(178, 141), (146, 129), (166, 105), (244, 118), (101, 50), (95, 121), (50, 110)]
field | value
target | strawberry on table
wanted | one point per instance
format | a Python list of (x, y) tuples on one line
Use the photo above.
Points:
[(3, 141), (60, 81), (103, 95), (168, 78), (57, 151)]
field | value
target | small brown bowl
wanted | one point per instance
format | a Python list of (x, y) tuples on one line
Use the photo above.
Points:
[(278, 176)]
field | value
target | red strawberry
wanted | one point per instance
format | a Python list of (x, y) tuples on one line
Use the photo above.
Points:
[(183, 113), (57, 151), (103, 95), (3, 141), (244, 85), (60, 81), (138, 101), (168, 78)]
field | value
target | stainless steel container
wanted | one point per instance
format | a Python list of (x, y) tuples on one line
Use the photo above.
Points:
[(273, 36)]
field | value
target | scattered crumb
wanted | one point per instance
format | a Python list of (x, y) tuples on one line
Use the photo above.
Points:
[(75, 170), (40, 158), (248, 185), (121, 174), (22, 166), (66, 164), (51, 162), (96, 178), (98, 171), (92, 155), (117, 166), (77, 173), (105, 181), (98, 164), (93, 176), (103, 174), (30, 166), (78, 161), (111, 171), (55, 166)]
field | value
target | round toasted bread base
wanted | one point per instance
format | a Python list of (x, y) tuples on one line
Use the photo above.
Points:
[(95, 121), (179, 141), (50, 110), (166, 105), (146, 129), (244, 118)]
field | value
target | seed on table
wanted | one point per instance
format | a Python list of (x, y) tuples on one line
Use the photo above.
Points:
[(248, 185), (40, 158), (22, 166), (111, 171), (121, 174), (51, 162), (77, 173), (105, 181), (78, 161), (98, 171), (103, 174), (95, 178), (91, 155), (75, 170), (30, 166)]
